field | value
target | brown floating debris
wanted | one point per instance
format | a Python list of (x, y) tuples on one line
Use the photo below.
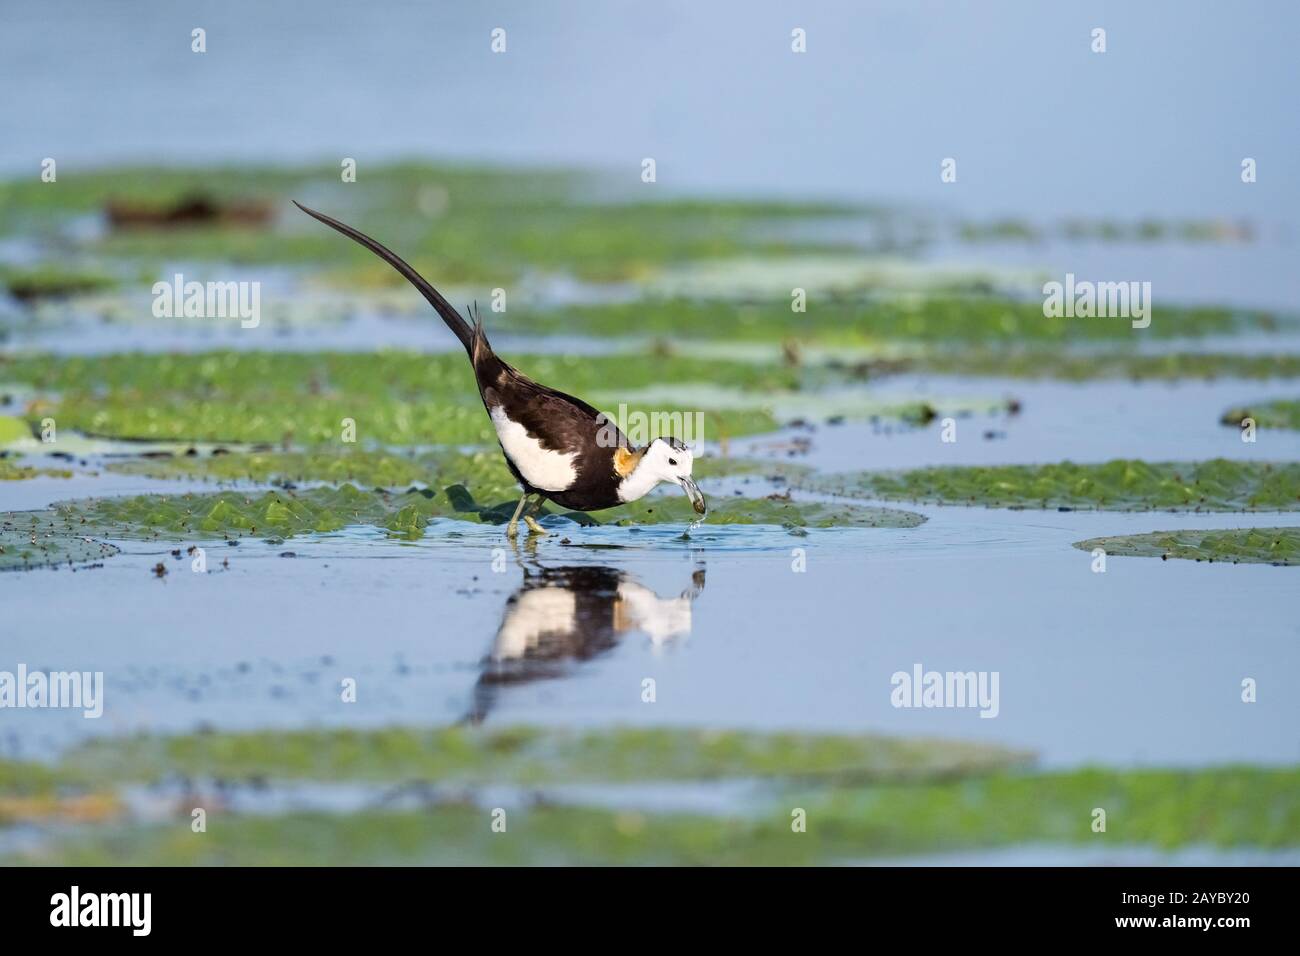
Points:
[(192, 210)]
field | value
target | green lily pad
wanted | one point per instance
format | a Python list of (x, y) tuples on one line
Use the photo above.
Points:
[(1119, 485), (13, 430), (369, 468), (1279, 546), (38, 539), (52, 282), (12, 471), (671, 508), (1278, 413), (283, 513), (231, 514)]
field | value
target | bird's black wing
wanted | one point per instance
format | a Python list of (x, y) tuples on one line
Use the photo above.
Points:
[(558, 421)]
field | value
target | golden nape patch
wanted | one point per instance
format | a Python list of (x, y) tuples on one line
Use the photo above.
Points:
[(625, 460)]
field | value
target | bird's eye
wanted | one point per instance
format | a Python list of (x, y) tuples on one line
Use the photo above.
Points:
[(672, 461)]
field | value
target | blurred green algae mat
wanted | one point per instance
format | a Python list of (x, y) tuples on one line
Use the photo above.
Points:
[(427, 796)]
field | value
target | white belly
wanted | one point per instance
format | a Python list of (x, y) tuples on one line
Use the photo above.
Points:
[(536, 614), (542, 468)]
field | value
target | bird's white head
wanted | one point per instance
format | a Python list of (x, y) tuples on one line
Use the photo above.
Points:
[(664, 459)]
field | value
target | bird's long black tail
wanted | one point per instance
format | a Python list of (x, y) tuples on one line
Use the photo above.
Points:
[(454, 321)]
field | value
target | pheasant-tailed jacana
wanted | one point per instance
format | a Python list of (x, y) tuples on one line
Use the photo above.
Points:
[(558, 447)]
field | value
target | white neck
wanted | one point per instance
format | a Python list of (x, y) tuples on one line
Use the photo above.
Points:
[(638, 484)]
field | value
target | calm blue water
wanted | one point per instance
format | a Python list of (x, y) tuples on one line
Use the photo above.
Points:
[(1141, 665), (1038, 123)]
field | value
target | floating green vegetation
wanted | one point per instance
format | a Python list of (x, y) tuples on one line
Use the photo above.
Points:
[(861, 803), (865, 797), (936, 320), (12, 471), (525, 756), (1119, 485), (381, 469), (1219, 806), (794, 516), (456, 223), (1107, 230), (835, 404), (1278, 413), (376, 469), (1279, 546), (285, 512), (50, 282), (273, 514), (22, 779), (13, 431), (830, 276), (486, 472), (65, 533), (397, 398), (774, 469), (37, 539), (402, 398), (1080, 367), (825, 365)]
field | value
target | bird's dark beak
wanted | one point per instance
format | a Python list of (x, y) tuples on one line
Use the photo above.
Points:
[(693, 492)]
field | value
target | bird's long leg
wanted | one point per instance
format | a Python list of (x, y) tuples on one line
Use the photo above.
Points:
[(512, 528), (533, 526)]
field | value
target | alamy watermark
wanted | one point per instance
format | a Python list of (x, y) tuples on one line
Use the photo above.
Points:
[(208, 300), (1073, 299), (75, 908), (78, 690), (922, 688), (641, 428)]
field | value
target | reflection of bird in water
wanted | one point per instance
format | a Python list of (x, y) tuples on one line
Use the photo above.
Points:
[(565, 614)]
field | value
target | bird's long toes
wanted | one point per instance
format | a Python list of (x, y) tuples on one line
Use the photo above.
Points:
[(533, 526)]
